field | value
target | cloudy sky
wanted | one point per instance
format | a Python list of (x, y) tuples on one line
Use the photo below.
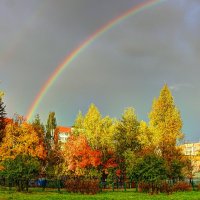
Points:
[(125, 66)]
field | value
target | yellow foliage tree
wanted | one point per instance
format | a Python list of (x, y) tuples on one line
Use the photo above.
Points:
[(98, 131), (166, 124), (145, 136), (165, 120), (92, 126), (21, 139)]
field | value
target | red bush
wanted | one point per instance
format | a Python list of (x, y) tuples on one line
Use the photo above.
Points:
[(82, 186), (198, 186), (181, 186), (166, 188), (144, 187)]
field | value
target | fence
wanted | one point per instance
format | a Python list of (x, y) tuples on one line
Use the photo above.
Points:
[(60, 183), (40, 182)]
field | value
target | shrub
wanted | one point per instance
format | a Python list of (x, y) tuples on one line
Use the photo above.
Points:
[(181, 186), (83, 186), (198, 186), (166, 188), (144, 187)]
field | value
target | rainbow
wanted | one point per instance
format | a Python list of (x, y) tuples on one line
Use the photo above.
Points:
[(74, 53)]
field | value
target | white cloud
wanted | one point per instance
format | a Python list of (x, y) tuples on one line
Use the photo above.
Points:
[(178, 86)]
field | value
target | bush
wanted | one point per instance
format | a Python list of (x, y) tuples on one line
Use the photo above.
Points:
[(144, 187), (166, 188), (181, 186), (82, 186), (198, 186)]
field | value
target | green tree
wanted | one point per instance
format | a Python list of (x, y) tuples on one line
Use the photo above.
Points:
[(39, 127), (50, 128), (78, 126), (126, 138), (20, 170), (149, 170)]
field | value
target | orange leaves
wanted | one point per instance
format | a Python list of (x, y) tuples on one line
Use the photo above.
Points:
[(2, 168), (78, 154), (21, 139), (111, 163)]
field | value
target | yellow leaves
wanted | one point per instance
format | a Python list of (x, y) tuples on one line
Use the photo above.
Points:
[(145, 136), (165, 120), (21, 139), (1, 94), (2, 168)]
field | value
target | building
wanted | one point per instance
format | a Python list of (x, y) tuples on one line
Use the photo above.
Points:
[(192, 151), (61, 134)]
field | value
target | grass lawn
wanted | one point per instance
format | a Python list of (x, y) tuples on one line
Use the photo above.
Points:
[(107, 195)]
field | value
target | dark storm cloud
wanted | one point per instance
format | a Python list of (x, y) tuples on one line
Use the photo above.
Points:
[(126, 66)]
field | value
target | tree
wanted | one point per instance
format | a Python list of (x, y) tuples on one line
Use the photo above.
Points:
[(50, 128), (1, 94), (21, 152), (150, 170), (20, 170), (78, 124), (92, 126), (99, 134), (79, 156), (145, 138), (106, 142), (166, 124), (165, 120), (2, 118), (21, 139), (126, 137), (38, 126), (40, 130)]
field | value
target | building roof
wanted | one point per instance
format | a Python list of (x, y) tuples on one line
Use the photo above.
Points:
[(8, 120), (63, 129)]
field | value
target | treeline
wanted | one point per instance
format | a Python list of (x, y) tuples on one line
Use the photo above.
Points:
[(98, 147)]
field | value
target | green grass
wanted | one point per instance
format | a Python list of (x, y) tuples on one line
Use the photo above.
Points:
[(107, 195)]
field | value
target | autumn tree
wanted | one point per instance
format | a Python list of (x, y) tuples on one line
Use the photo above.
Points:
[(78, 124), (165, 120), (145, 138), (80, 158), (106, 142), (126, 138), (2, 117), (1, 94), (99, 132), (21, 151), (40, 130), (92, 126), (21, 139), (166, 124)]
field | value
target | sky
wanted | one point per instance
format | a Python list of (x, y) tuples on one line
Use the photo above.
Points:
[(126, 66)]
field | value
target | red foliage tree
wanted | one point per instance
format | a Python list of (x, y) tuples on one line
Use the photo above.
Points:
[(79, 155)]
